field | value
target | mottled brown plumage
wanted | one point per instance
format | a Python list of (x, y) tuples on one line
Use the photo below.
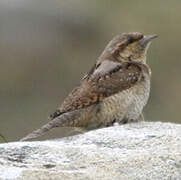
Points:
[(95, 88), (115, 90)]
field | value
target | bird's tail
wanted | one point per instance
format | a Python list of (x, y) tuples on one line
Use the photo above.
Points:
[(64, 120)]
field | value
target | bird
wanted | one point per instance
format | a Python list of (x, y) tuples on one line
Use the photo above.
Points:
[(115, 90)]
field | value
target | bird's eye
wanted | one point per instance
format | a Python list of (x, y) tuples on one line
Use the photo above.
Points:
[(131, 41)]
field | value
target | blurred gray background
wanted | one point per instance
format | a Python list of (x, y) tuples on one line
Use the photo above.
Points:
[(46, 46)]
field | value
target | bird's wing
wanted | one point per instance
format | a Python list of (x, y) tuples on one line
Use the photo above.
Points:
[(102, 84)]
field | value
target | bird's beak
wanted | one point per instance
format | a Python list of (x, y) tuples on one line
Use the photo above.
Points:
[(146, 40)]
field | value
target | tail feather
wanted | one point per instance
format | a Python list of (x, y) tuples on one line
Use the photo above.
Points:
[(64, 120)]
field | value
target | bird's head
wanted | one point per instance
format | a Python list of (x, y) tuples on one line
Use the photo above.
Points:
[(128, 47)]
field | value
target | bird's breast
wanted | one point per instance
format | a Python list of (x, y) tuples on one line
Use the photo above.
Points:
[(128, 103)]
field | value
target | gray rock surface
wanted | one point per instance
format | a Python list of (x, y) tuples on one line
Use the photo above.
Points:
[(145, 150)]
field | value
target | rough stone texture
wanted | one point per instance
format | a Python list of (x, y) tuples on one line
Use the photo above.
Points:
[(142, 150)]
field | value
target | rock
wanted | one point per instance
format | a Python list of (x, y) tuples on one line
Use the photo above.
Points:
[(144, 150)]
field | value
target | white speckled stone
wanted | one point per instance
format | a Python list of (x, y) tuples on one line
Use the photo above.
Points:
[(144, 150)]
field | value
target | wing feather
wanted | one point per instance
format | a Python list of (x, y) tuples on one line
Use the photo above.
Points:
[(97, 86)]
